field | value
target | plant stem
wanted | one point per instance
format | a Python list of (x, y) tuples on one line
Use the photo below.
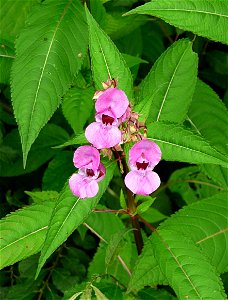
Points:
[(131, 204)]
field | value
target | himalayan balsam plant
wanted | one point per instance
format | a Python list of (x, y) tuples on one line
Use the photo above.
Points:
[(113, 149)]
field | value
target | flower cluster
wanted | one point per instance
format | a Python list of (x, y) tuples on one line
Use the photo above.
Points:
[(115, 124)]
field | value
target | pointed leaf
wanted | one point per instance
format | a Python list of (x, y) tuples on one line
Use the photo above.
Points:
[(170, 84), (50, 50), (180, 144), (23, 232), (187, 270), (69, 213), (204, 17), (107, 62)]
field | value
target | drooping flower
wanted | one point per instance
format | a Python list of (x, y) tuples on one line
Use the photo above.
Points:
[(84, 184), (111, 106), (143, 157)]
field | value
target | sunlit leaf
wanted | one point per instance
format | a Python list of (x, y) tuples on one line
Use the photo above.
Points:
[(170, 84), (49, 53), (180, 144), (107, 62), (203, 17), (23, 232)]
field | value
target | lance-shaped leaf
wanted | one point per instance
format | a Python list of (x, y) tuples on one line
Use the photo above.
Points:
[(180, 144), (23, 232), (49, 53), (107, 62), (68, 214), (187, 270), (208, 116), (169, 86), (203, 17)]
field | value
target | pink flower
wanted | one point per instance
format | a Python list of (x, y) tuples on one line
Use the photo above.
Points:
[(112, 107), (113, 100), (84, 184), (143, 157), (105, 132)]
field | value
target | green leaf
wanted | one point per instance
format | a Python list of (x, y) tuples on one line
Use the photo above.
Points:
[(154, 294), (143, 207), (180, 144), (6, 59), (206, 223), (146, 270), (205, 17), (68, 214), (207, 106), (58, 171), (50, 50), (13, 15), (99, 294), (132, 61), (123, 203), (115, 246), (170, 84), (192, 184), (79, 139), (187, 270), (41, 151), (153, 215), (107, 62), (77, 106), (23, 232), (104, 224), (39, 197)]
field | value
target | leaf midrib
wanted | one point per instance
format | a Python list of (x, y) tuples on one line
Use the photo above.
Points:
[(44, 65), (24, 237), (187, 148), (179, 265), (187, 10), (168, 88)]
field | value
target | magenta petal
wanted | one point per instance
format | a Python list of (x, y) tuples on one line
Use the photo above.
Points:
[(102, 136), (148, 149), (87, 156), (112, 99), (102, 172), (82, 186), (142, 183)]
